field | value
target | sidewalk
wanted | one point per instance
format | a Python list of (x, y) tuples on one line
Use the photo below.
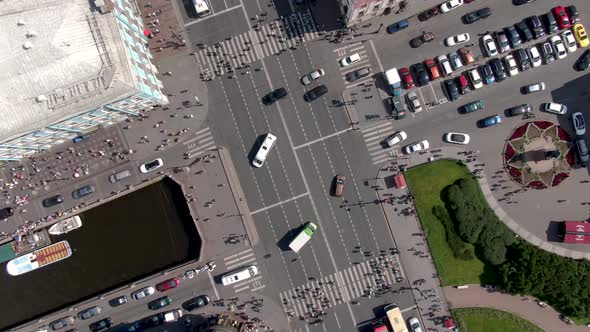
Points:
[(414, 253), (527, 308)]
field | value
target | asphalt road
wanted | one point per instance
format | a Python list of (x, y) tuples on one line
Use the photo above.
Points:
[(315, 140)]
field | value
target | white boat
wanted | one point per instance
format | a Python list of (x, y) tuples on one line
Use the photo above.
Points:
[(39, 258), (65, 226)]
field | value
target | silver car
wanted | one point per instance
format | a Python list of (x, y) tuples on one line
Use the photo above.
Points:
[(532, 88), (90, 312), (314, 75), (579, 123), (414, 102), (62, 322)]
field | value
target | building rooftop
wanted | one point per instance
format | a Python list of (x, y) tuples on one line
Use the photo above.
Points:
[(58, 59)]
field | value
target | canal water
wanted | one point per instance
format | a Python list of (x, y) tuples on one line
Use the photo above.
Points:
[(123, 240)]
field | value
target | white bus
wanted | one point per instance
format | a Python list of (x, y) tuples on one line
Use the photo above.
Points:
[(396, 320), (267, 144), (202, 8), (239, 275)]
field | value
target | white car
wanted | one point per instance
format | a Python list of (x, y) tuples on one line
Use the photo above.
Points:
[(417, 146), (558, 47), (535, 56), (511, 65), (144, 292), (450, 5), (555, 108), (569, 40), (314, 75), (579, 123), (457, 138), (489, 45), (475, 79), (349, 60), (414, 324), (172, 315), (535, 87), (152, 165), (457, 39), (398, 137), (444, 64)]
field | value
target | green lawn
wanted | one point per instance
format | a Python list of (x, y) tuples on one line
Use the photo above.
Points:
[(426, 183), (491, 320)]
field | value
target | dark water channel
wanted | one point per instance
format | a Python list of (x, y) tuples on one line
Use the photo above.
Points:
[(121, 241)]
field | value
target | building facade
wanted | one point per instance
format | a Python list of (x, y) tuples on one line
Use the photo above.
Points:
[(355, 12), (71, 67)]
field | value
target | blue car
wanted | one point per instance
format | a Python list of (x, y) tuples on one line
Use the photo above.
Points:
[(490, 121), (395, 27), (487, 74), (81, 138)]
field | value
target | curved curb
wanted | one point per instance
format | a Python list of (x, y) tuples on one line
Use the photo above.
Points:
[(526, 307), (448, 152)]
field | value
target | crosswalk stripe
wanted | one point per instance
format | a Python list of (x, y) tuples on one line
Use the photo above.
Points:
[(241, 263), (238, 254), (238, 290), (375, 127)]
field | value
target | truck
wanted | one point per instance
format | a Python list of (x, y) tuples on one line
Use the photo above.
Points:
[(394, 82), (303, 237)]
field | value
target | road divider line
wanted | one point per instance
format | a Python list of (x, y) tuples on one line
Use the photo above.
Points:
[(278, 203), (321, 139)]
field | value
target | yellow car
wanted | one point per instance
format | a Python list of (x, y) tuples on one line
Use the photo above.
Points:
[(580, 34)]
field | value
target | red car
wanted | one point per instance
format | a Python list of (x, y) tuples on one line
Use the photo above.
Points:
[(407, 77), (432, 69), (168, 284), (561, 16)]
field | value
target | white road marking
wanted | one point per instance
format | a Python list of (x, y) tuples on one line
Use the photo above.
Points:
[(278, 203), (321, 139)]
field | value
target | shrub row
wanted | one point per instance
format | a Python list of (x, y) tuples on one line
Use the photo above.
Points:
[(459, 248)]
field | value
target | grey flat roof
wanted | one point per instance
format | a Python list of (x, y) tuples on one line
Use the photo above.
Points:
[(55, 51)]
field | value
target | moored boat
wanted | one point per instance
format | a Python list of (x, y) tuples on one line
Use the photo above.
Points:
[(65, 226), (39, 258)]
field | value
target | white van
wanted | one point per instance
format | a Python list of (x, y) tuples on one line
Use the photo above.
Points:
[(202, 8), (239, 275), (267, 144)]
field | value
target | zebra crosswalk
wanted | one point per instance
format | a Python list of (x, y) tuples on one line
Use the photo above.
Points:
[(244, 258), (351, 283), (364, 62), (264, 41), (202, 142), (374, 137)]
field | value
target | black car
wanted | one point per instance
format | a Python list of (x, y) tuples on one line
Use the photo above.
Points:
[(196, 302), (523, 59), (452, 89), (519, 110), (6, 212), (152, 321), (315, 93), (583, 62), (572, 12), (513, 36), (524, 31), (547, 53), (477, 15), (502, 41), (358, 74), (499, 69), (535, 24), (550, 23), (521, 2), (101, 325), (117, 301), (53, 200), (272, 97), (421, 73)]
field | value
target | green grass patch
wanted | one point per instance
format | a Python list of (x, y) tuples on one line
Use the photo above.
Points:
[(491, 320), (426, 183)]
